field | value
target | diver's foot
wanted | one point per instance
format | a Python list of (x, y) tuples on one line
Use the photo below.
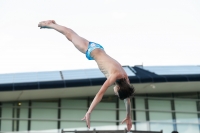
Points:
[(46, 24)]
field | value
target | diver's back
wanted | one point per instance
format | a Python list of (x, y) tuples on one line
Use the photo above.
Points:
[(107, 64)]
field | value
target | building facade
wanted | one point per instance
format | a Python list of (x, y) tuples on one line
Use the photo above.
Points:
[(166, 98)]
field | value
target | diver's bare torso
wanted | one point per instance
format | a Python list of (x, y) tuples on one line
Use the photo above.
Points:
[(107, 64)]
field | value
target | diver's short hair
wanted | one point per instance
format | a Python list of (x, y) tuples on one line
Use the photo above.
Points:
[(125, 89)]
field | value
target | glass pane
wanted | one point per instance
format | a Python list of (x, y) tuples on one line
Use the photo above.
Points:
[(167, 128), (186, 118), (160, 117), (128, 71), (173, 70), (164, 105), (24, 110), (101, 115), (82, 74), (7, 112), (185, 105), (187, 128), (94, 73), (23, 125), (141, 126), (44, 114), (104, 114), (73, 114), (49, 76), (25, 77), (140, 116), (74, 74), (43, 125), (106, 103), (104, 111), (139, 103), (6, 125), (6, 78)]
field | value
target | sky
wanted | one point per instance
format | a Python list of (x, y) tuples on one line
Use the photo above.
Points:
[(134, 32)]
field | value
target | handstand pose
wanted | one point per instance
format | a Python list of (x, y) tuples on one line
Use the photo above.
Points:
[(108, 66)]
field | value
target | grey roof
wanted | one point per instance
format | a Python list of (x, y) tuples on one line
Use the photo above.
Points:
[(55, 75), (29, 77), (173, 70), (95, 73), (89, 73)]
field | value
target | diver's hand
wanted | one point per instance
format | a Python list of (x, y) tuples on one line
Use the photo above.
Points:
[(128, 123), (87, 119)]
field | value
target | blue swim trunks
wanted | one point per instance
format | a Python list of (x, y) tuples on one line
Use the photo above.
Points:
[(92, 46)]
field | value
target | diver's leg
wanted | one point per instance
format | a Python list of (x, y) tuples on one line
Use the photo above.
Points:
[(80, 43)]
